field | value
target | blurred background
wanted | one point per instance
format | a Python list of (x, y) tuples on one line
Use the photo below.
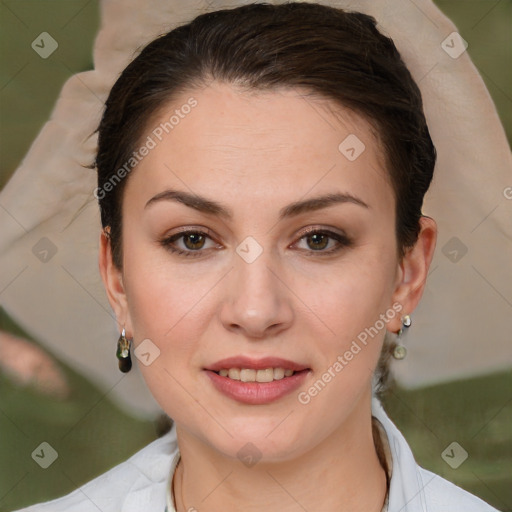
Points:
[(88, 430)]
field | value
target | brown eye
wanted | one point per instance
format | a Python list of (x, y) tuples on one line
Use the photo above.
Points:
[(317, 241), (322, 242), (194, 241), (189, 243)]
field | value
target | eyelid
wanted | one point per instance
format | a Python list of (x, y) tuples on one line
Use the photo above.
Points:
[(335, 232), (185, 230), (320, 228)]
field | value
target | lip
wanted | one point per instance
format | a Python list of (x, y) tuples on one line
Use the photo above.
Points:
[(256, 393), (255, 364)]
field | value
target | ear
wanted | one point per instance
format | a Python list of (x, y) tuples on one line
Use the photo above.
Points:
[(113, 281), (413, 270)]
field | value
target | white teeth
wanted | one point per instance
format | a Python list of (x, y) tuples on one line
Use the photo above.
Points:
[(265, 375), (247, 375), (234, 373), (250, 375), (278, 373)]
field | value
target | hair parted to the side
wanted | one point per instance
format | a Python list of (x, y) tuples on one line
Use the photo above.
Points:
[(334, 54)]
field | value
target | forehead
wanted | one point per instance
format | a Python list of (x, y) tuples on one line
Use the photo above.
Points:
[(214, 138)]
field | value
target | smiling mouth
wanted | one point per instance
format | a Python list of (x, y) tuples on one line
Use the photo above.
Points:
[(251, 375)]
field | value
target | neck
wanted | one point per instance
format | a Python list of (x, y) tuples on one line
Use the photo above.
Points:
[(342, 473)]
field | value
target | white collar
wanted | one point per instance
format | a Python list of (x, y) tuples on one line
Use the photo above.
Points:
[(169, 496)]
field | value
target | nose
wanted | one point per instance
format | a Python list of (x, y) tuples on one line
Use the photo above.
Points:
[(258, 302)]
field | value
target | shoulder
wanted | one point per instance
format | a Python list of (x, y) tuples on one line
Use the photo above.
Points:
[(441, 495), (141, 480)]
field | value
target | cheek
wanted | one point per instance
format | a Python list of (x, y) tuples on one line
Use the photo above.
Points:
[(350, 295), (352, 307), (163, 297), (166, 304), (165, 307)]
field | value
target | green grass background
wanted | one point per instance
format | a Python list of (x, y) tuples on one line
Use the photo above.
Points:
[(90, 433)]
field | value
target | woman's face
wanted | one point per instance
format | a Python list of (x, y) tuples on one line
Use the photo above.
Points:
[(249, 174)]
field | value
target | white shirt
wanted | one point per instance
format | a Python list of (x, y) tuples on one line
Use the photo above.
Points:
[(141, 483)]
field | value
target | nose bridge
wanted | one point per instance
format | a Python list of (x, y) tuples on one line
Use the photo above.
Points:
[(257, 301), (256, 281)]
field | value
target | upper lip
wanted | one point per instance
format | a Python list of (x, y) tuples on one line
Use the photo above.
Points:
[(255, 364)]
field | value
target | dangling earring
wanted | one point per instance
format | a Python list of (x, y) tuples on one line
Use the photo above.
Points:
[(400, 351), (123, 353)]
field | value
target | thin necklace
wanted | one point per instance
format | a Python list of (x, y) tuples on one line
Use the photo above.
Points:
[(174, 486)]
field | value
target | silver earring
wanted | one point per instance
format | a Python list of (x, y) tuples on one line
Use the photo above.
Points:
[(400, 351)]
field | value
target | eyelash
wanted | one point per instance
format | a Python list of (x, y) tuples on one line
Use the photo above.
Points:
[(343, 242)]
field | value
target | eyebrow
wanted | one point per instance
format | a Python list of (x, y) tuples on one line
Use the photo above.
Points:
[(208, 206)]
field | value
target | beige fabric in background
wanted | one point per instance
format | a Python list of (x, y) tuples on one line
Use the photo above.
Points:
[(49, 219)]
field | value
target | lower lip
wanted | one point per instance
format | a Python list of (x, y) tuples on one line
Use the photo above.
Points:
[(257, 393)]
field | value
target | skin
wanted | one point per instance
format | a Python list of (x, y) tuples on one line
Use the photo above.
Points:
[(255, 154)]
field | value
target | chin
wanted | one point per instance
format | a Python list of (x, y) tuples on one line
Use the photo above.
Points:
[(267, 438)]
